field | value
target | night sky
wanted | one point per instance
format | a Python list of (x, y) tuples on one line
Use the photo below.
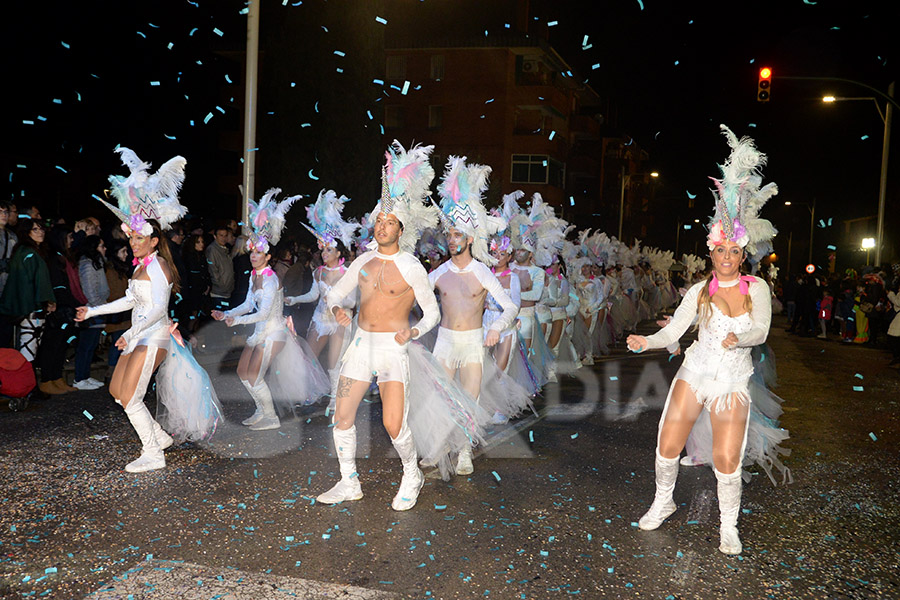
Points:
[(82, 77)]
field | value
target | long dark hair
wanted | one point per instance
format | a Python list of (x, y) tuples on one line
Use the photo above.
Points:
[(23, 232), (189, 245), (89, 249), (162, 247), (121, 267)]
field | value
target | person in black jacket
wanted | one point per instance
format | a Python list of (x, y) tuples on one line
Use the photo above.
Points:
[(59, 325), (197, 281)]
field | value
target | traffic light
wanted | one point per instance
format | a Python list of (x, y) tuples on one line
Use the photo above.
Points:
[(764, 89)]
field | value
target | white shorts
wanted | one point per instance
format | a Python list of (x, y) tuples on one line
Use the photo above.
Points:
[(378, 355), (526, 318), (457, 348)]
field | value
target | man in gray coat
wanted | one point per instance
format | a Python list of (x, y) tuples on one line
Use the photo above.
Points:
[(221, 268)]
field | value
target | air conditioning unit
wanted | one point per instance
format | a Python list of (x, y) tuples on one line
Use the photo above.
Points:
[(530, 66)]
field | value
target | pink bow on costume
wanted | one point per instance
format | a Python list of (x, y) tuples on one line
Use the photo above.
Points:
[(142, 261), (744, 282), (266, 272)]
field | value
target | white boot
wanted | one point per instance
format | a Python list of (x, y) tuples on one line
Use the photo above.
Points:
[(464, 462), (263, 395), (348, 488), (151, 455), (258, 414), (165, 440), (663, 505), (413, 479), (729, 490)]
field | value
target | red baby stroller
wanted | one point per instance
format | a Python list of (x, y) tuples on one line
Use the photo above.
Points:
[(16, 379)]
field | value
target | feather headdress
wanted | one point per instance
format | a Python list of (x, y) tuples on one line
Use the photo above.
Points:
[(366, 228), (693, 265), (548, 230), (327, 223), (142, 196), (267, 220), (405, 181), (461, 190), (517, 222), (739, 199), (601, 248)]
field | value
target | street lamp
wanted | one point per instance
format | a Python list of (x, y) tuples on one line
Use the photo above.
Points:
[(626, 180), (868, 244), (886, 117)]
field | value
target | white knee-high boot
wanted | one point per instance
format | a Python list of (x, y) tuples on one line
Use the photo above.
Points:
[(151, 455), (258, 414), (348, 488), (262, 394), (663, 505), (729, 490), (413, 479)]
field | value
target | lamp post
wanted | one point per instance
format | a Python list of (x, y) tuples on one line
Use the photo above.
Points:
[(812, 223), (868, 244), (887, 117), (626, 180)]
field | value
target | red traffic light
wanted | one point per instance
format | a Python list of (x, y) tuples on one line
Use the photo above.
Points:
[(764, 88)]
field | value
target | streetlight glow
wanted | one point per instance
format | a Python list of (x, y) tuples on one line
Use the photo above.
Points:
[(828, 99), (868, 243), (787, 202), (654, 174)]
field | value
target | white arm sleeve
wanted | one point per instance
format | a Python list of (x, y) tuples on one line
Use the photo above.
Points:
[(493, 286), (122, 304), (414, 274), (515, 290), (684, 316), (537, 287), (311, 296), (761, 315), (263, 311), (348, 283), (247, 305)]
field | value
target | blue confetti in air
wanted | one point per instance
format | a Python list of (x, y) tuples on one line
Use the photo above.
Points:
[(218, 31), (405, 88), (641, 4), (61, 169), (690, 195), (311, 176), (858, 376), (552, 23), (193, 31), (552, 134), (381, 20), (831, 247), (857, 388), (865, 137)]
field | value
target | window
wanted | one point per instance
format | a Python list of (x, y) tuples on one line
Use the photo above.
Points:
[(537, 168), (435, 116), (437, 66), (393, 116), (396, 67)]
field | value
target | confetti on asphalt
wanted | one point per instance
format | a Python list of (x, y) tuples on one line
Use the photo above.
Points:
[(88, 415), (872, 435)]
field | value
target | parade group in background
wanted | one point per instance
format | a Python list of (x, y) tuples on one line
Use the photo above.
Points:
[(459, 315)]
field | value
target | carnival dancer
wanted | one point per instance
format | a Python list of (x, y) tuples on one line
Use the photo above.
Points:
[(535, 236), (296, 375), (509, 353), (390, 280), (734, 315), (187, 407), (335, 237), (463, 284)]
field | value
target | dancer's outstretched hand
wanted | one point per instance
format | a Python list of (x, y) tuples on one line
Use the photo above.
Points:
[(341, 316), (637, 343), (80, 313), (404, 335)]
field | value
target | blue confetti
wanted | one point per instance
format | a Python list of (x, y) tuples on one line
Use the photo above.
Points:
[(88, 415), (311, 176), (381, 20), (872, 435), (857, 388), (496, 476), (865, 137), (218, 31)]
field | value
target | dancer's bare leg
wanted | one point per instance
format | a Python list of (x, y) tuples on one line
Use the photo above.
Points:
[(127, 373), (502, 351), (681, 412), (556, 329)]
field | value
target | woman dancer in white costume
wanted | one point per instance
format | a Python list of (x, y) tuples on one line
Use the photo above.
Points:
[(734, 315), (188, 408), (334, 236), (297, 375)]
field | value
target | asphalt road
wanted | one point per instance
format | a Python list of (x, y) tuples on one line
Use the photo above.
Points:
[(550, 511)]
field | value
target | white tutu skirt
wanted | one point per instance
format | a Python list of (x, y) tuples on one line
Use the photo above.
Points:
[(295, 376), (621, 313), (581, 336), (567, 358), (602, 335), (188, 408), (764, 436), (644, 310), (520, 369), (669, 295), (443, 419), (541, 359), (502, 393)]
